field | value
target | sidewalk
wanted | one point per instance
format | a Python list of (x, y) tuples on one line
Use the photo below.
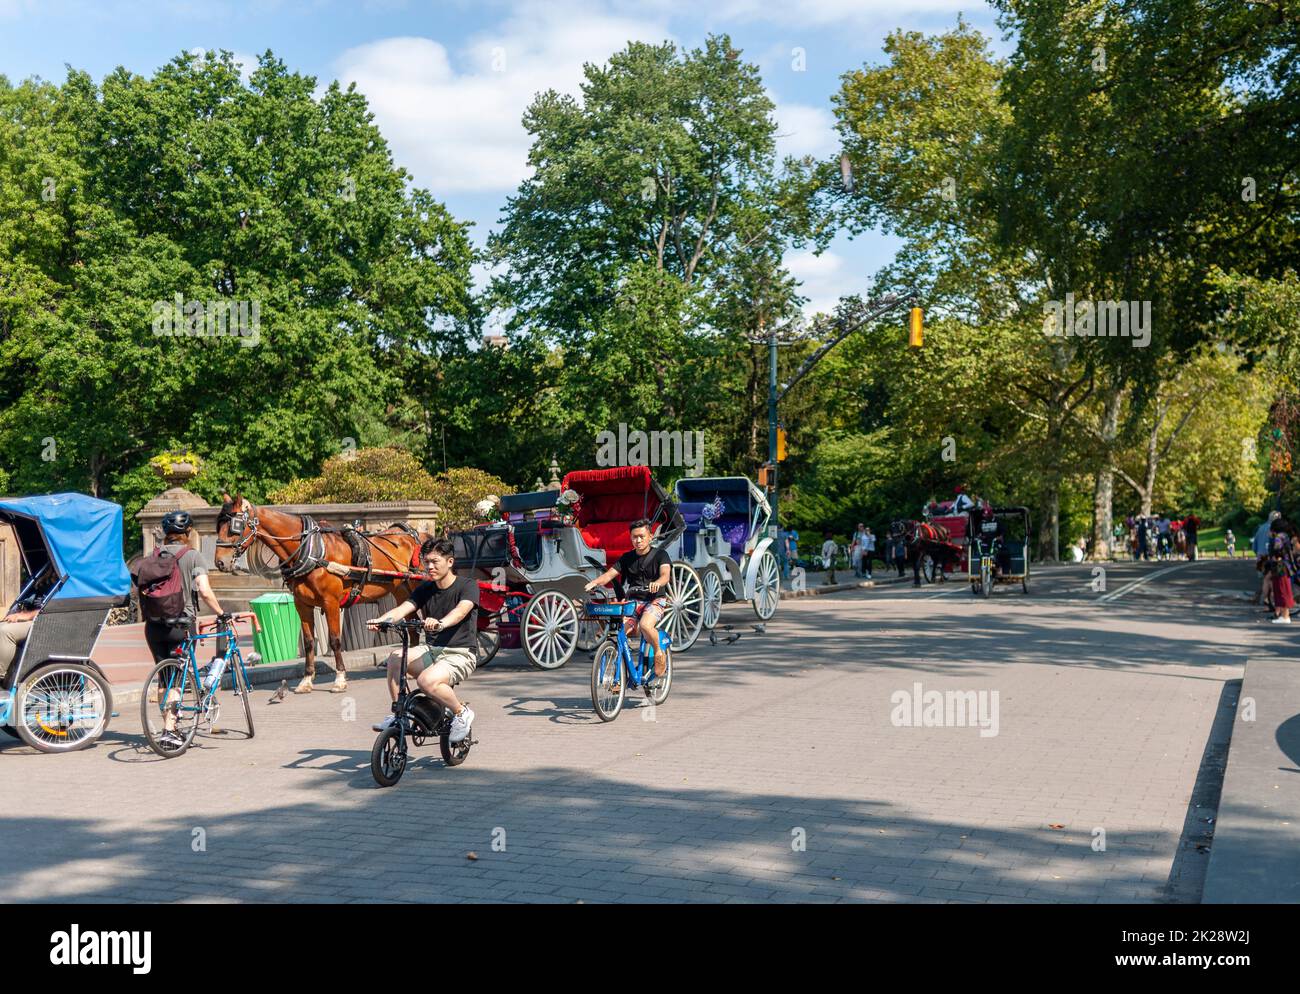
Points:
[(1255, 856)]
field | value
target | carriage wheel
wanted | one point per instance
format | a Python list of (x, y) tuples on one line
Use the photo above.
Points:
[(685, 615), (712, 598), (591, 631), (767, 586), (549, 630)]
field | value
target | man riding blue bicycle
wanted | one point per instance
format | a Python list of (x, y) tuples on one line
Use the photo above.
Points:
[(645, 568)]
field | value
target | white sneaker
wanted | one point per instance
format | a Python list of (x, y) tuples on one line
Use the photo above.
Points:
[(1281, 621), (385, 723), (460, 725)]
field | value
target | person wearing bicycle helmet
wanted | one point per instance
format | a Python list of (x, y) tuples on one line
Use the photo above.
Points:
[(177, 564), (648, 568)]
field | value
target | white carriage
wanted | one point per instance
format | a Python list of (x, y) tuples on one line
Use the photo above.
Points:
[(726, 542)]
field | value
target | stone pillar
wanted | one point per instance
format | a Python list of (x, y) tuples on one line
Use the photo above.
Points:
[(202, 533), (10, 567)]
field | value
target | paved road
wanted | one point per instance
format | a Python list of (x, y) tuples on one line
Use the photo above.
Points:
[(781, 768)]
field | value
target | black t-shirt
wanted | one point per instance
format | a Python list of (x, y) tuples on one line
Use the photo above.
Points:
[(437, 602), (641, 571)]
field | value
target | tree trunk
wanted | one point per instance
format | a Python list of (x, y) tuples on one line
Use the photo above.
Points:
[(1103, 490), (1049, 525), (1153, 460)]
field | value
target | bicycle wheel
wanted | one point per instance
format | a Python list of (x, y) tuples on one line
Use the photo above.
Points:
[(489, 641), (180, 691), (62, 707), (388, 757), (608, 687), (453, 755), (657, 691), (986, 579), (243, 692)]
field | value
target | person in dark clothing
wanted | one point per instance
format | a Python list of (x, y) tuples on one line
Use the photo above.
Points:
[(650, 569)]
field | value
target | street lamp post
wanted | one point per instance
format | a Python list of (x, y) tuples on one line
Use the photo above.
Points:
[(844, 326)]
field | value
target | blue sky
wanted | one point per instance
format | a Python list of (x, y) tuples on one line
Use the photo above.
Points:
[(449, 79)]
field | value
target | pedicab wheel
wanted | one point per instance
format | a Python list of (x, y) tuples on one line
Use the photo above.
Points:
[(62, 707), (767, 586), (489, 641), (684, 618), (178, 679), (549, 630), (986, 580), (387, 758), (453, 755), (242, 690), (608, 688), (657, 692), (712, 598)]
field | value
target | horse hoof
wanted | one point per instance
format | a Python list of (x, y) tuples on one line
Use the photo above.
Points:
[(304, 687), (340, 686)]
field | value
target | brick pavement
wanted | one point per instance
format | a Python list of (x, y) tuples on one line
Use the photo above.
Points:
[(783, 738)]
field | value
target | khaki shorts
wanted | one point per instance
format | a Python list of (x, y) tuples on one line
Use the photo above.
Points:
[(461, 662)]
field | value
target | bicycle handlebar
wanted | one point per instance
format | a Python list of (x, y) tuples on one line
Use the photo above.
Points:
[(410, 626), (213, 626)]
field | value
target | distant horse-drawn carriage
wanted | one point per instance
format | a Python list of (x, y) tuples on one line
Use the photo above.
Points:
[(989, 545)]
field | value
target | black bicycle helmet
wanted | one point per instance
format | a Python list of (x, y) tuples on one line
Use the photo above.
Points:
[(175, 522)]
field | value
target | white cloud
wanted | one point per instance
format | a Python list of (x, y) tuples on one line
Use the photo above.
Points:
[(822, 278), (819, 13), (454, 119), (802, 129)]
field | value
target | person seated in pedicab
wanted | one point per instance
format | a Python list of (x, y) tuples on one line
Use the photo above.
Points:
[(642, 567), (450, 651), (17, 625)]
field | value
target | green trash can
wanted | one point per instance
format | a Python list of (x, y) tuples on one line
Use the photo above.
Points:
[(281, 631)]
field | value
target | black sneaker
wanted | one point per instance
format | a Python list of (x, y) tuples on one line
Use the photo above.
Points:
[(171, 739)]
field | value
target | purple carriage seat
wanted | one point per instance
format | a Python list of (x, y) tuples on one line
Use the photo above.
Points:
[(693, 515), (736, 519)]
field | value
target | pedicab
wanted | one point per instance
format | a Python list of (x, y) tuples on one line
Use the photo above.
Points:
[(55, 697), (726, 541), (998, 552)]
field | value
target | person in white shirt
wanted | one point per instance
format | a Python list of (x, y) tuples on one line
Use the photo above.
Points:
[(858, 550), (829, 551)]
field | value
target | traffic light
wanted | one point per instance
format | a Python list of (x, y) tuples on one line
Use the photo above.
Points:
[(915, 331), (765, 475), (780, 444)]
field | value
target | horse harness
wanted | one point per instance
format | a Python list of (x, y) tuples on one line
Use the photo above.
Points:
[(310, 554)]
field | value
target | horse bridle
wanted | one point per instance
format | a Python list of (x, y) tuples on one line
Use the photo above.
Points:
[(247, 521)]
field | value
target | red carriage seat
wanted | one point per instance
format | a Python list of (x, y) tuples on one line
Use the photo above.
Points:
[(611, 500)]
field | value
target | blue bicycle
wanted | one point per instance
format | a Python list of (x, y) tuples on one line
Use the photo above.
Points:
[(613, 670), (178, 699)]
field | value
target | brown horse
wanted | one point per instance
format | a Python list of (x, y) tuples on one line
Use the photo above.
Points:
[(922, 538), (304, 548)]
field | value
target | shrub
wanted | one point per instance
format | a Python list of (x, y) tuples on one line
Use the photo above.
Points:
[(389, 474)]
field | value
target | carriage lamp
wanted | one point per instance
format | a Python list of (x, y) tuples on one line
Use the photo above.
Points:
[(915, 331)]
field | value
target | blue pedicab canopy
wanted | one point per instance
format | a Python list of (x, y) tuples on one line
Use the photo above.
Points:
[(80, 535)]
